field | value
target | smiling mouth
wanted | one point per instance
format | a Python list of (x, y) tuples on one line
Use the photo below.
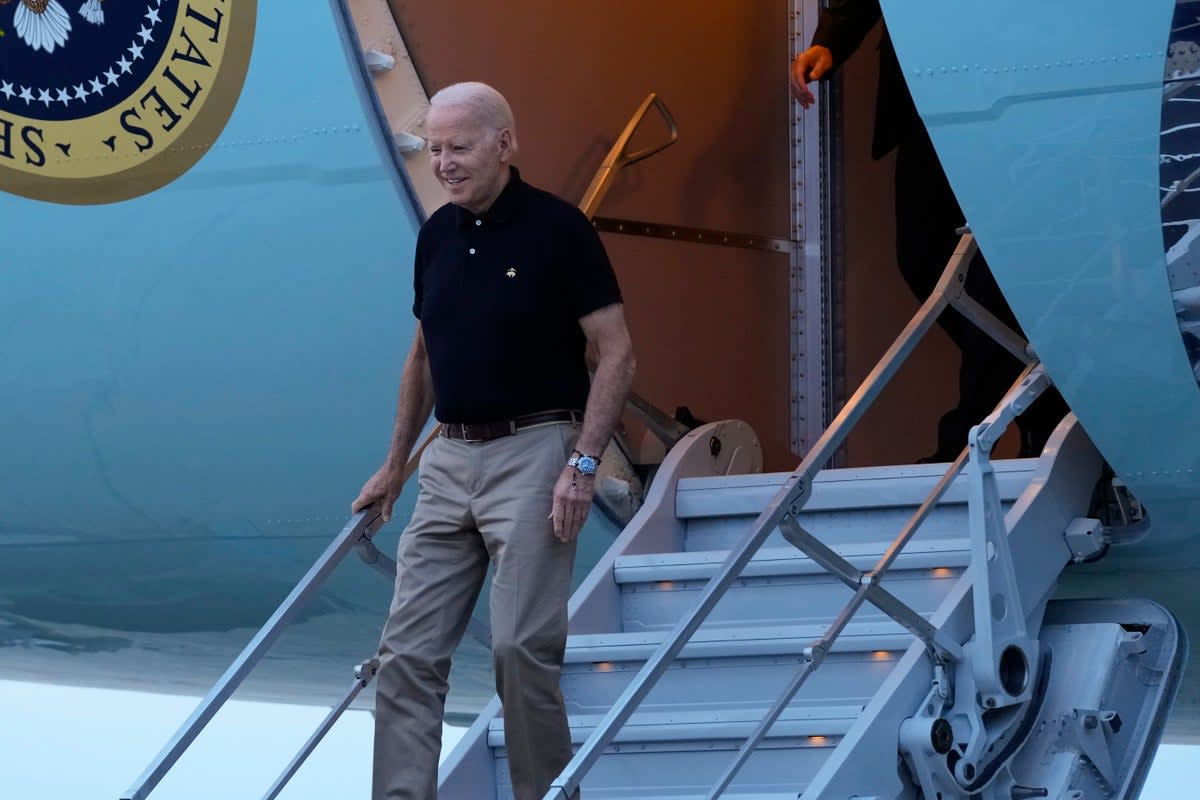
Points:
[(454, 181)]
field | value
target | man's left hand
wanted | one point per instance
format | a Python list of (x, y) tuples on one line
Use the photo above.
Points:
[(811, 65), (572, 502)]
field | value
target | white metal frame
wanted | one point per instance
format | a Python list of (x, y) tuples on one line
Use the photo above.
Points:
[(809, 283)]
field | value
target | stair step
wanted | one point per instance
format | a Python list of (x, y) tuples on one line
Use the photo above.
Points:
[(651, 774), (780, 586), (665, 769), (783, 561), (667, 756), (724, 533), (690, 728), (847, 506), (843, 490), (858, 637), (728, 669)]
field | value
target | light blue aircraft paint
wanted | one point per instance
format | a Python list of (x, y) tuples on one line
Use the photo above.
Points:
[(1051, 136), (195, 382)]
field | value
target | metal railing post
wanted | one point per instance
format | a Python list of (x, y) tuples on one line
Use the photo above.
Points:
[(364, 673), (363, 524)]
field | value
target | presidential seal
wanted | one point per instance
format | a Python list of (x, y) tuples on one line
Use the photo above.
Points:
[(104, 100)]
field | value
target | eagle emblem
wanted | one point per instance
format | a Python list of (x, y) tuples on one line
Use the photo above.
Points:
[(45, 24)]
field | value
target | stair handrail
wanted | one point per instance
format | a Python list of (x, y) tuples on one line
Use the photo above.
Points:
[(618, 156), (786, 505), (357, 535), (663, 427)]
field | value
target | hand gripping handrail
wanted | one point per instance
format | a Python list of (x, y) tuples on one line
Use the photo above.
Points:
[(367, 551), (782, 511)]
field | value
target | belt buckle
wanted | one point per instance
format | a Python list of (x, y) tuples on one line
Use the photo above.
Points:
[(466, 437)]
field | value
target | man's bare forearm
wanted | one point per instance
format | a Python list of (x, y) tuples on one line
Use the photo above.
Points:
[(606, 400), (414, 404)]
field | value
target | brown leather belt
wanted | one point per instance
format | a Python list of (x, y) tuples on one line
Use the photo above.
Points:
[(487, 431)]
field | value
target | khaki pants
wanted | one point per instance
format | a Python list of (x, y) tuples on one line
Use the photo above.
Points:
[(478, 501)]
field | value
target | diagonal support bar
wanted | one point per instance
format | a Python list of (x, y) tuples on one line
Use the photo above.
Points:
[(760, 732), (867, 584), (939, 490), (364, 673), (921, 514), (814, 656), (823, 554), (374, 558), (990, 324)]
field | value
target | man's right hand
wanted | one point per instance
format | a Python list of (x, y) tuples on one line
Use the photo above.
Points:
[(811, 65), (383, 488)]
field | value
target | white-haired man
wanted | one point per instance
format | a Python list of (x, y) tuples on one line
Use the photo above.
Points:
[(511, 284)]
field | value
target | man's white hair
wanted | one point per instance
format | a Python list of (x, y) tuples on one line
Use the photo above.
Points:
[(487, 105)]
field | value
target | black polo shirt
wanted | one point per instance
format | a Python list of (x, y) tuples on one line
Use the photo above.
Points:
[(500, 297)]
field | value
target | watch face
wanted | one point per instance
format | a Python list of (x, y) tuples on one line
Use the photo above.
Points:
[(587, 465)]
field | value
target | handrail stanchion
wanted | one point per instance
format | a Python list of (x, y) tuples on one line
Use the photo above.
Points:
[(362, 524), (990, 324), (786, 504), (375, 558), (364, 673)]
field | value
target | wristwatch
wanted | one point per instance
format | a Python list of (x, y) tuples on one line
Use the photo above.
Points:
[(583, 463)]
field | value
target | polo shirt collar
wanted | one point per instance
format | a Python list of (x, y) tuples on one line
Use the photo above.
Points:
[(502, 209)]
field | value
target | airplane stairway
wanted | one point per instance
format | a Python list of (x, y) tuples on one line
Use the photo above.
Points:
[(866, 633), (857, 633), (683, 736), (708, 702)]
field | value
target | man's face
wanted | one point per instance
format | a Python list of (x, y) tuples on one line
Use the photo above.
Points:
[(469, 160)]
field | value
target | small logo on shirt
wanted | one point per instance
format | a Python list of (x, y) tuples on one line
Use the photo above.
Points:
[(512, 272)]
